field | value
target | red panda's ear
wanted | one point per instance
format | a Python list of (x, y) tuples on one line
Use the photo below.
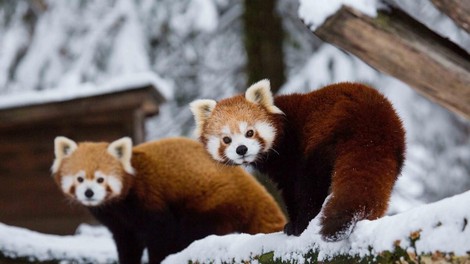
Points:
[(260, 93), (121, 149), (63, 147), (202, 110)]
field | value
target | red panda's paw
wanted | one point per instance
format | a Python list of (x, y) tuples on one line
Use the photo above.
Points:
[(291, 230), (336, 228), (295, 228)]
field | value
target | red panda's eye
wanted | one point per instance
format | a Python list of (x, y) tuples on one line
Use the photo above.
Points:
[(249, 133), (80, 179), (100, 180), (227, 140)]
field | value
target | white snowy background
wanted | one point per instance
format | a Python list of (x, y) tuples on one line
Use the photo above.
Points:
[(194, 49)]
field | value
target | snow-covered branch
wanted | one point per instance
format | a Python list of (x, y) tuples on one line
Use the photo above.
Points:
[(440, 231)]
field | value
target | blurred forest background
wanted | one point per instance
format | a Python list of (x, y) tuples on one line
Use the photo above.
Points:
[(215, 49)]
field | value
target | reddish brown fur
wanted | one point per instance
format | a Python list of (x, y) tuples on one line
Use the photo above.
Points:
[(183, 174), (178, 194), (345, 138)]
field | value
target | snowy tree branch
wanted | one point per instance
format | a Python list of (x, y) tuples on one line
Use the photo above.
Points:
[(398, 45), (457, 10)]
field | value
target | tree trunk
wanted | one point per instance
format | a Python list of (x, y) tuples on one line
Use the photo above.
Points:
[(263, 42)]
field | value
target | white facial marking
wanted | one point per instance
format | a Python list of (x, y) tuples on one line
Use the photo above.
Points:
[(252, 145), (90, 192), (239, 140), (213, 145), (267, 132), (226, 130), (115, 185), (67, 182), (243, 127)]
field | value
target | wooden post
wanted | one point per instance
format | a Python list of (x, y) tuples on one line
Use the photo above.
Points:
[(398, 45)]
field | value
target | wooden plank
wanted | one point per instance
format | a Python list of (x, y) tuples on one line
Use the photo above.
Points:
[(457, 10), (398, 45)]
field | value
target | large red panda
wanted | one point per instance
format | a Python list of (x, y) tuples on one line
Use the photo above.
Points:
[(161, 195), (344, 140)]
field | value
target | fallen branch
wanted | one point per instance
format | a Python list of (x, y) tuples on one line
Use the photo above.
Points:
[(398, 45), (457, 10)]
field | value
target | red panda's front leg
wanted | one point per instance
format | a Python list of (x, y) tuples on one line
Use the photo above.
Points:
[(130, 249), (305, 198)]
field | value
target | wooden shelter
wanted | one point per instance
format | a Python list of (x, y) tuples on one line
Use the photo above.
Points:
[(28, 195)]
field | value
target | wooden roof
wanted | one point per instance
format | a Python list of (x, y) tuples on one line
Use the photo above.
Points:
[(145, 98)]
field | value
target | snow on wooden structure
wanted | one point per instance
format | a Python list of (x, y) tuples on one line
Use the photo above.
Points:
[(30, 122)]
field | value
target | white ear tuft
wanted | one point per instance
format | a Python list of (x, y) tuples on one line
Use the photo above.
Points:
[(63, 147), (202, 110), (121, 149), (260, 93)]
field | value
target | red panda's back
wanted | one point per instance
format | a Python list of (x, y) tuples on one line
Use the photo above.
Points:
[(180, 171)]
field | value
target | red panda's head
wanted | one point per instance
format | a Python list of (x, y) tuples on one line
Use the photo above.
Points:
[(237, 130), (93, 173)]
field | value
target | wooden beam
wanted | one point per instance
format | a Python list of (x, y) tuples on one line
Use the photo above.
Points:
[(457, 10), (398, 45)]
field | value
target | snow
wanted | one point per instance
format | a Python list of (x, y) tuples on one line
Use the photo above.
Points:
[(121, 83), (443, 226), (201, 15), (92, 246), (314, 13)]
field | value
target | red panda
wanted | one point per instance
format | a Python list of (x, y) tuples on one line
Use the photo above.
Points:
[(344, 141), (161, 195)]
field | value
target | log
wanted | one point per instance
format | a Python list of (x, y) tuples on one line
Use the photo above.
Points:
[(457, 10), (396, 44)]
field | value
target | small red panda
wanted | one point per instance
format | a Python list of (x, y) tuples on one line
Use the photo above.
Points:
[(161, 195), (344, 140)]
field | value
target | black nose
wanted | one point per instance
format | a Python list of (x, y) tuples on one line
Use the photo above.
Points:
[(241, 150), (89, 193)]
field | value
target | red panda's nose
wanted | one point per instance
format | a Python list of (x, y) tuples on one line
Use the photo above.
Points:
[(89, 193), (241, 150)]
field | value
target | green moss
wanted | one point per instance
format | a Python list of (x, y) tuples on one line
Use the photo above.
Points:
[(382, 19)]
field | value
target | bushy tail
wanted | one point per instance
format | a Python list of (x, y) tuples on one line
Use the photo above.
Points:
[(362, 183)]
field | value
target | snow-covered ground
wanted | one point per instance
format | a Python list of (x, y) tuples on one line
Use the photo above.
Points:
[(442, 226), (89, 245)]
